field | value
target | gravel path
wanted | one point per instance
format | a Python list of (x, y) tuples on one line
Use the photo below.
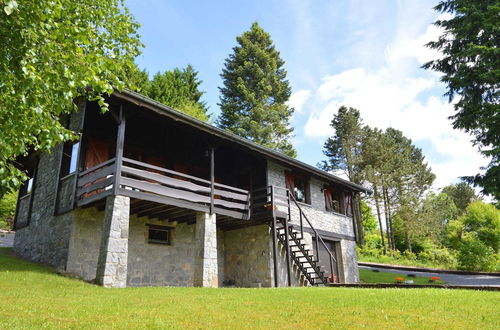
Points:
[(453, 279), (6, 239)]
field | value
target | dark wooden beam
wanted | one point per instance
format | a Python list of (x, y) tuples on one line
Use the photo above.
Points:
[(275, 248), (120, 142), (287, 244), (157, 210), (212, 179), (141, 206), (164, 200), (79, 155), (175, 214)]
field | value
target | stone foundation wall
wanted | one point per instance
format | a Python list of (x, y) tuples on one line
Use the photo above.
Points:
[(159, 264), (248, 257), (349, 261), (46, 237), (85, 242)]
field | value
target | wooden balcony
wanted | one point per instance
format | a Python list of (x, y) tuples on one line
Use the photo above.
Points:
[(159, 192)]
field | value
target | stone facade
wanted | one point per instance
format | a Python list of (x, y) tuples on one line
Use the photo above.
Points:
[(46, 238), (338, 227), (205, 245), (160, 264), (247, 258), (113, 252), (112, 247), (85, 242)]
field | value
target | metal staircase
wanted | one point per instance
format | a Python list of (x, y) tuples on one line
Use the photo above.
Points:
[(279, 201)]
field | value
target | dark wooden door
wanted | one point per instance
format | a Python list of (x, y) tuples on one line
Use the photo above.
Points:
[(324, 258)]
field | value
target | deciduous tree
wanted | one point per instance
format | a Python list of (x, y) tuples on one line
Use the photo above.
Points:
[(51, 53)]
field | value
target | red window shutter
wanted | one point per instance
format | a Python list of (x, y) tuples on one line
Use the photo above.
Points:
[(289, 180), (328, 199)]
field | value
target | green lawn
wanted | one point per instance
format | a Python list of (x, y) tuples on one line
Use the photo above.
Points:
[(369, 276), (387, 259), (32, 296)]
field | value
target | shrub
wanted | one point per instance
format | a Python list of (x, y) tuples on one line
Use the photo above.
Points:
[(475, 255), (7, 210), (438, 256)]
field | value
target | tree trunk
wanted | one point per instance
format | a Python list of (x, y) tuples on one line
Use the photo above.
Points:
[(359, 221), (376, 196), (390, 242)]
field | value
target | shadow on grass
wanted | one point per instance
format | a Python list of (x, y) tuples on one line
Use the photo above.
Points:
[(9, 262)]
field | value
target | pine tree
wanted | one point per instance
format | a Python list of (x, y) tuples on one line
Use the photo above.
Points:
[(470, 65), (179, 89), (343, 151), (253, 98)]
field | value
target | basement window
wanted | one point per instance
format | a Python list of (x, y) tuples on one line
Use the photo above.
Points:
[(159, 234)]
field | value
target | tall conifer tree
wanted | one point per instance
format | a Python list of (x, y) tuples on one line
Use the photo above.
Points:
[(255, 91)]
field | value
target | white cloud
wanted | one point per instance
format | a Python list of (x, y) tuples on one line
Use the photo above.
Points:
[(298, 99), (400, 95)]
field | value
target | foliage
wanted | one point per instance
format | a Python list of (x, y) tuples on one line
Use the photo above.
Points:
[(137, 79), (462, 195), (440, 258), (343, 149), (179, 89), (7, 210), (476, 255), (436, 212), (36, 297), (368, 219), (53, 52), (255, 91), (471, 70), (476, 235)]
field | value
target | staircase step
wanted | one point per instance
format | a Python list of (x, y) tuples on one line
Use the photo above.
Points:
[(297, 245)]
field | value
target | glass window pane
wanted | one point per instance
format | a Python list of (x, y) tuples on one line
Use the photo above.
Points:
[(74, 156)]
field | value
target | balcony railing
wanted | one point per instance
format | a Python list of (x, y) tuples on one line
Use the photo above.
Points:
[(148, 182)]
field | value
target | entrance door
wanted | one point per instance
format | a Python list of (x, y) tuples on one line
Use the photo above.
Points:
[(324, 259)]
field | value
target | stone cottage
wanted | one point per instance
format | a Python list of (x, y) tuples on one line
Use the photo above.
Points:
[(149, 196)]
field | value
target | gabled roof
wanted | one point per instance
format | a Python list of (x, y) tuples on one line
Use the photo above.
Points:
[(143, 101)]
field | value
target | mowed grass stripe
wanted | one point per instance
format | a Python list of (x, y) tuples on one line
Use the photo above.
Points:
[(34, 296)]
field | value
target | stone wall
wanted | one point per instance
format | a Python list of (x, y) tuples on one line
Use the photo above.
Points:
[(85, 242), (349, 261), (46, 238), (160, 264), (248, 257), (338, 226)]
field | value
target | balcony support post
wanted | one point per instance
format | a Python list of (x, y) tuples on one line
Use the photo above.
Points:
[(212, 179), (120, 142)]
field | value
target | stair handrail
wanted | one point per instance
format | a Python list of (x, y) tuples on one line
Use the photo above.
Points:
[(318, 236)]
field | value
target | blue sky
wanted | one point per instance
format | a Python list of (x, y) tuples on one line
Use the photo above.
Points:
[(360, 53)]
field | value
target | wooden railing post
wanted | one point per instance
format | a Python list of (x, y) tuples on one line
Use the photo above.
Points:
[(120, 142), (275, 247), (212, 180), (287, 243)]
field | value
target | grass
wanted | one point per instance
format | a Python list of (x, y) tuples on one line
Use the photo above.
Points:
[(369, 276), (387, 259), (33, 296)]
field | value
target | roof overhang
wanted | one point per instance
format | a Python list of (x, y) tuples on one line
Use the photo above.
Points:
[(145, 102)]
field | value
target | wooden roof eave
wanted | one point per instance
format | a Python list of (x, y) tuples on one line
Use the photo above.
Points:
[(161, 109)]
